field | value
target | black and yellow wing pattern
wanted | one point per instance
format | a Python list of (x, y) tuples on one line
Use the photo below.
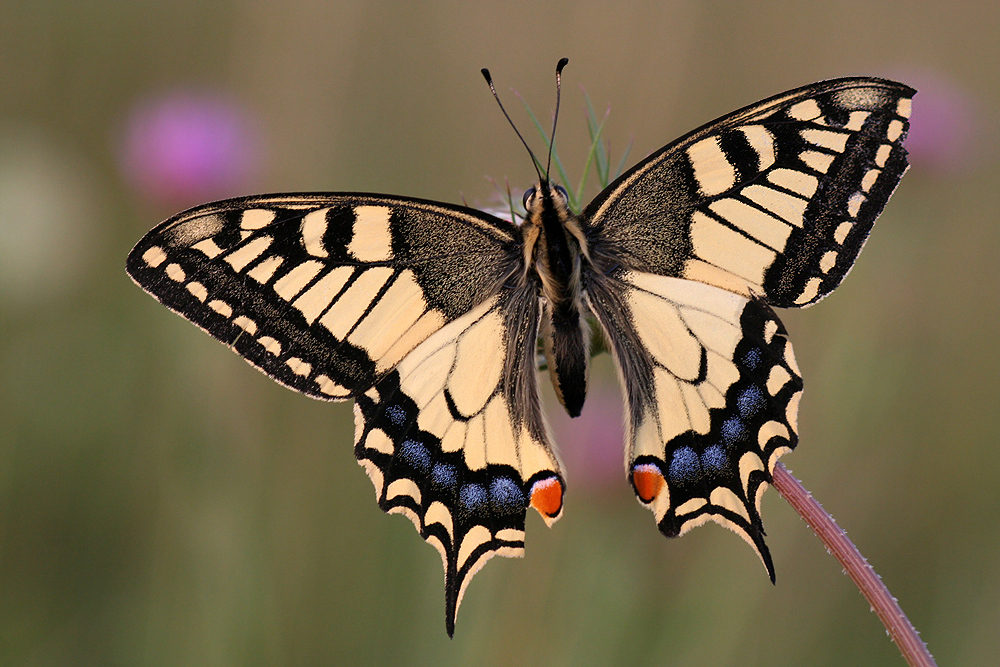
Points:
[(766, 207), (399, 304), (428, 315)]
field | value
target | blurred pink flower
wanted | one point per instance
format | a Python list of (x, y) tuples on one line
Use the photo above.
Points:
[(183, 147), (945, 130), (591, 446)]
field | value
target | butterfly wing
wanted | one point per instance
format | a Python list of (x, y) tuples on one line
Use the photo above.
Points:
[(775, 200), (712, 391), (454, 438), (324, 293), (767, 206), (398, 303)]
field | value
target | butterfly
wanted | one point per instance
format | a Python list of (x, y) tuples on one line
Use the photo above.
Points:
[(429, 315)]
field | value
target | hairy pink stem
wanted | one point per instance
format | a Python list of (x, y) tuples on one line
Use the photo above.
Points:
[(868, 582)]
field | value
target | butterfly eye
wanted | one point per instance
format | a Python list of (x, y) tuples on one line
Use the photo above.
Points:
[(528, 194), (562, 192)]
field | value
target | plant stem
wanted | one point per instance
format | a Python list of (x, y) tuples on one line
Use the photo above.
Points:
[(901, 631)]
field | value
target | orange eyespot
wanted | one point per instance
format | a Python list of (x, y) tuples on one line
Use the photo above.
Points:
[(546, 496), (648, 481)]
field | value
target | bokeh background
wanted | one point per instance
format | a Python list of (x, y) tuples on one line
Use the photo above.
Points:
[(161, 503)]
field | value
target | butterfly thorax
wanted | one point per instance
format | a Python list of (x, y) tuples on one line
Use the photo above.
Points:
[(555, 250)]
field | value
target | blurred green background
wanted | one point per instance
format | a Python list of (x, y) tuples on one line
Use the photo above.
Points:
[(161, 503)]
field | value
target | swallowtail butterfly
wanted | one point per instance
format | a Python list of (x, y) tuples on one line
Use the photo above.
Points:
[(428, 315)]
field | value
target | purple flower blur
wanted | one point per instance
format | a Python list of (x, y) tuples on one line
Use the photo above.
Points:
[(944, 127), (591, 446), (183, 147)]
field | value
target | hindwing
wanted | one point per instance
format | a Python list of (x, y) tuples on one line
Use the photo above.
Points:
[(775, 200), (712, 392), (454, 439)]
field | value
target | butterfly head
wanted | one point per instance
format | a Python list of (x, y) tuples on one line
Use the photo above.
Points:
[(545, 195)]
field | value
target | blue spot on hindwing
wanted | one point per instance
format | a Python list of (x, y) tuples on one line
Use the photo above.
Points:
[(506, 496), (415, 455), (750, 401), (444, 477), (733, 430), (752, 358), (396, 415), (684, 467), (473, 497), (714, 459)]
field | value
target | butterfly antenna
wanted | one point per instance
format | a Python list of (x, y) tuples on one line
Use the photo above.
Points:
[(534, 160), (552, 139)]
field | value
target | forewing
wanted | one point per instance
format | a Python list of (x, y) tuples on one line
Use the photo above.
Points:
[(454, 439), (324, 292), (712, 392), (775, 200)]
